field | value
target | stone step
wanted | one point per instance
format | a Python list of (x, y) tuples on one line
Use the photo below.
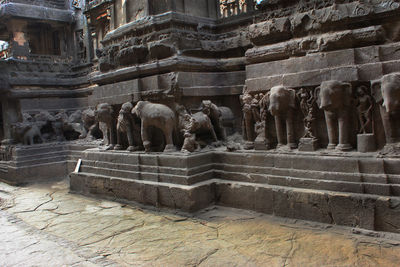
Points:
[(148, 176), (39, 161), (148, 168), (3, 167), (287, 181), (309, 174), (184, 197), (24, 151), (175, 160), (311, 162), (37, 156)]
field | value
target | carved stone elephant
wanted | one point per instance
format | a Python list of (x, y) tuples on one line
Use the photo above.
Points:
[(200, 122), (104, 115), (386, 93), (159, 116), (282, 103), (335, 98), (26, 133), (215, 115), (126, 126)]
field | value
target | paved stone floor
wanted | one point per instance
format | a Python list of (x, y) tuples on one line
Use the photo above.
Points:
[(44, 225)]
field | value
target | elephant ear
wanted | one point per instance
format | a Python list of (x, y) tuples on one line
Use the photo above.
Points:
[(292, 98), (317, 95), (376, 91), (348, 91)]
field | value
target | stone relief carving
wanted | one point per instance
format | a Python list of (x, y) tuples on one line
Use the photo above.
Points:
[(126, 126), (386, 93), (159, 116), (282, 104), (335, 98), (27, 132), (364, 109), (105, 117)]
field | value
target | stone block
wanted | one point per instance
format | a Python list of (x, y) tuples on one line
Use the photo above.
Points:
[(308, 144), (352, 210), (366, 143)]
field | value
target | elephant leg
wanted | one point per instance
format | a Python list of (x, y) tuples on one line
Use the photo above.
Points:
[(279, 131), (213, 133), (169, 147), (331, 124), (131, 141), (249, 127), (290, 132), (119, 139), (344, 142), (145, 137), (387, 125)]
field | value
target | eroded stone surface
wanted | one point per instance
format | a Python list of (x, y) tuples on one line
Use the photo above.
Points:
[(44, 223)]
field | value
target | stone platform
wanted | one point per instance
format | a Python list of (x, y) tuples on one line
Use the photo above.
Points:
[(358, 191), (41, 162)]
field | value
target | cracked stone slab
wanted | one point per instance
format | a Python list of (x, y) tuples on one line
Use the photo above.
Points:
[(44, 223)]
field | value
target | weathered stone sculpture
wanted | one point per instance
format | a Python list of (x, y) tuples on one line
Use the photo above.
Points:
[(189, 144), (249, 120), (27, 132), (126, 127), (365, 137), (386, 93), (104, 115), (215, 115), (159, 116), (201, 123), (282, 103), (364, 108), (90, 124), (75, 124), (335, 98), (308, 107)]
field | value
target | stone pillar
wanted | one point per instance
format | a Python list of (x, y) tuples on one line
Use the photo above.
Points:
[(124, 18), (11, 114)]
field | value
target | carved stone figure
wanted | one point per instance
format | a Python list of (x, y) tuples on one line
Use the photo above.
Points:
[(282, 103), (364, 108), (201, 123), (307, 106), (57, 124), (249, 121), (126, 126), (90, 124), (215, 115), (156, 115), (386, 93), (104, 115), (26, 133), (335, 98), (74, 123), (190, 144)]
